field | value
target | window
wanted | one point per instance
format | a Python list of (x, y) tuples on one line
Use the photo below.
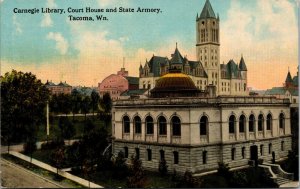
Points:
[(281, 121), (261, 150), (176, 126), (176, 157), (137, 153), (231, 123), (243, 152), (204, 157), (126, 124), (269, 121), (270, 148), (149, 154), (203, 125), (137, 125), (162, 123), (149, 125), (242, 123), (232, 153), (162, 154), (282, 145), (126, 152), (260, 122), (251, 123)]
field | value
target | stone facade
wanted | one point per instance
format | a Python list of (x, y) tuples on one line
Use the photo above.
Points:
[(226, 127)]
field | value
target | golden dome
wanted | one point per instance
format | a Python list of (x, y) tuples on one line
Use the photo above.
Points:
[(174, 85)]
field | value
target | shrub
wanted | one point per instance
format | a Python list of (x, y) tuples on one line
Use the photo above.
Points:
[(29, 147), (163, 167)]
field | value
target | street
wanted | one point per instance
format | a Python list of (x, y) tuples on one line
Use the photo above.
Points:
[(13, 176)]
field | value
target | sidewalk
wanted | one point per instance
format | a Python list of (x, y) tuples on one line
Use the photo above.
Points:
[(290, 185)]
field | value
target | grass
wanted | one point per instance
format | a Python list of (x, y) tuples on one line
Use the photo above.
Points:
[(79, 123), (39, 171), (106, 179)]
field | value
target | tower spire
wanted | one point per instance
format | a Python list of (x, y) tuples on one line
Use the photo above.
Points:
[(207, 11)]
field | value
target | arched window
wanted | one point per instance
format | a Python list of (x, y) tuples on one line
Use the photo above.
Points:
[(137, 125), (204, 157), (260, 122), (126, 124), (176, 126), (203, 125), (231, 123), (162, 124), (269, 121), (281, 121), (149, 125), (242, 123), (251, 123), (176, 157)]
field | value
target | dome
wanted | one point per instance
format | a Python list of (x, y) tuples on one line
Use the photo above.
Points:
[(174, 85)]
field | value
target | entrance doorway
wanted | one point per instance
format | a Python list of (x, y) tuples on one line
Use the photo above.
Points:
[(254, 153)]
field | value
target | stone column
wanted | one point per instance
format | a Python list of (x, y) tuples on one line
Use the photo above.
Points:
[(155, 131), (247, 129), (143, 125), (169, 132), (237, 130)]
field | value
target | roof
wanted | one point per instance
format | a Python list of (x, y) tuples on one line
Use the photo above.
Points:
[(276, 91), (176, 57), (232, 69), (133, 92), (288, 78), (207, 11), (242, 65), (133, 80), (296, 81), (64, 84), (154, 64), (294, 92), (49, 83)]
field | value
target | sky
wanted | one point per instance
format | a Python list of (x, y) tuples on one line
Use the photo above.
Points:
[(83, 53)]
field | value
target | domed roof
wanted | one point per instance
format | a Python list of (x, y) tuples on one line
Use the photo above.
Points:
[(174, 84)]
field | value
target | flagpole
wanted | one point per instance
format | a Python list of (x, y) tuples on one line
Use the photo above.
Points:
[(47, 120)]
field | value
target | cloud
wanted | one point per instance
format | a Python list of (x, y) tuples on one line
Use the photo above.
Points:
[(47, 21), (267, 37), (1, 1), (124, 39), (61, 43), (17, 25)]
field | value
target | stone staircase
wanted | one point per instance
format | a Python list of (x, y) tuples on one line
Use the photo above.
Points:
[(277, 174)]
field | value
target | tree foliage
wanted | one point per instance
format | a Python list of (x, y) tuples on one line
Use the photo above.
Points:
[(106, 103), (76, 99), (23, 102), (94, 101), (137, 178)]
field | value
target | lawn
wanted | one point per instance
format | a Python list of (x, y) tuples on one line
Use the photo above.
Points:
[(79, 123)]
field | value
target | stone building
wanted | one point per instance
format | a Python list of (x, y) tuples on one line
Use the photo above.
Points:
[(116, 84), (61, 88), (195, 133), (198, 112), (229, 79)]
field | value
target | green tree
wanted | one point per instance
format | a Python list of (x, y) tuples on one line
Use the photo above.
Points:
[(85, 105), (76, 102), (137, 178), (64, 103), (23, 102), (67, 128), (106, 103), (94, 101)]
